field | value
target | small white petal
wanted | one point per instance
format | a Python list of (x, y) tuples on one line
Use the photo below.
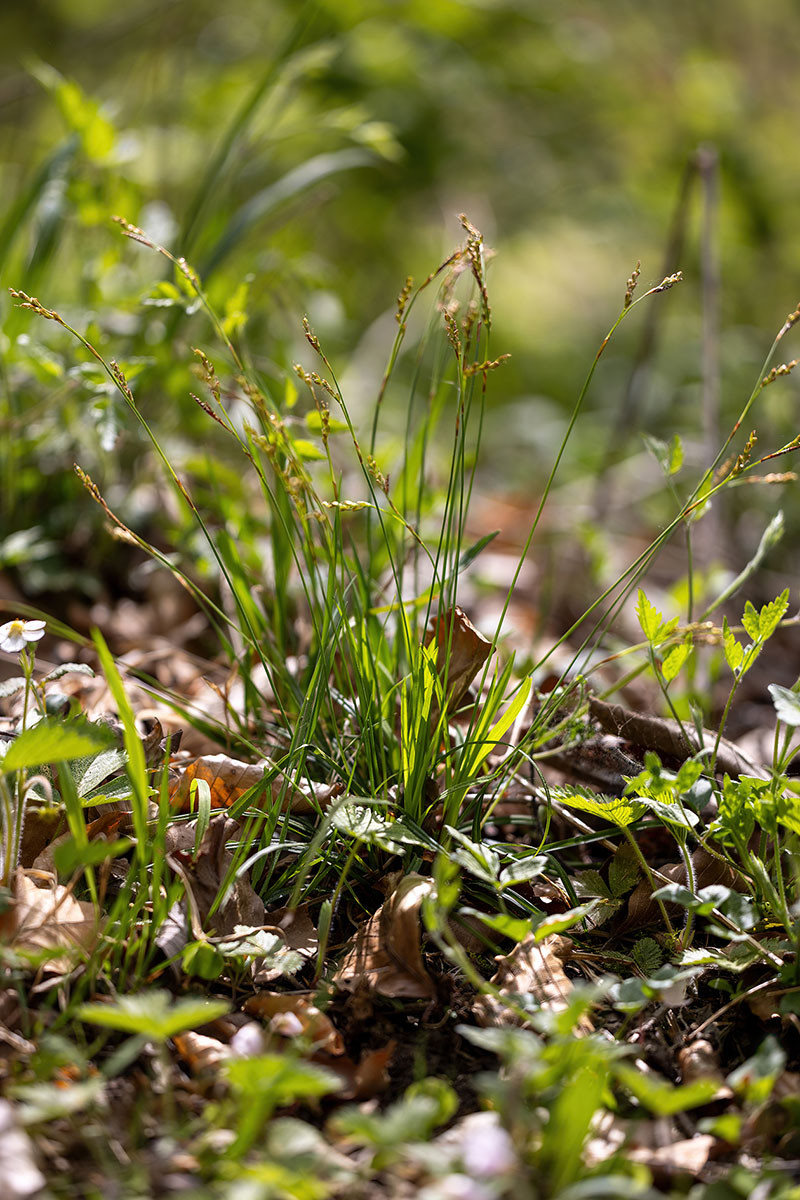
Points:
[(12, 642)]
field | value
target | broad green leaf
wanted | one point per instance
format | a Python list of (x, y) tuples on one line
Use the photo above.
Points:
[(313, 421), (515, 928), (280, 1079), (54, 741), (520, 870), (154, 1014), (786, 703), (307, 450), (662, 1098), (617, 810), (650, 618), (674, 659), (561, 921), (69, 857), (734, 651), (676, 893)]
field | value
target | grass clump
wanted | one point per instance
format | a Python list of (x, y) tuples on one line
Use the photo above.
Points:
[(332, 955)]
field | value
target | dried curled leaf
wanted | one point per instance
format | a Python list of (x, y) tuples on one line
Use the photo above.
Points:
[(531, 969), (49, 922), (461, 651), (229, 778), (385, 953)]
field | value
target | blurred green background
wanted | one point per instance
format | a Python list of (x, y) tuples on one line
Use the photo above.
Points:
[(306, 158)]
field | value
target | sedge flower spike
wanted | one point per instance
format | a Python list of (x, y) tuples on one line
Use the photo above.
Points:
[(15, 634)]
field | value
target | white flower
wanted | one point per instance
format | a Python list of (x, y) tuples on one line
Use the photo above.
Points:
[(488, 1150), (14, 634)]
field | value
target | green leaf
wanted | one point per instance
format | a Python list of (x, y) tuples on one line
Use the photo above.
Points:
[(662, 1098), (648, 955), (307, 450), (650, 618), (153, 1014), (561, 921), (522, 869), (68, 669), (515, 928), (623, 871), (70, 857), (674, 659), (786, 703), (617, 810), (54, 741), (675, 461), (280, 1079), (734, 651), (313, 421), (762, 625)]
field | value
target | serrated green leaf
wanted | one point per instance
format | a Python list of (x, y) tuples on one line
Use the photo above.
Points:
[(648, 955), (618, 810), (68, 669), (734, 651), (649, 617), (54, 741), (154, 1014), (623, 871), (591, 883), (673, 661)]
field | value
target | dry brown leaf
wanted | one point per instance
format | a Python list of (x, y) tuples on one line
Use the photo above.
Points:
[(364, 1079), (385, 953), (531, 969), (48, 920), (643, 909), (685, 1157), (461, 651), (203, 874), (311, 1021), (200, 1053), (105, 827), (229, 778), (296, 928), (699, 1060)]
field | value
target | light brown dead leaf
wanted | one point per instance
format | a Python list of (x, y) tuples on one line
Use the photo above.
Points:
[(699, 1060), (204, 873), (385, 953), (531, 969), (685, 1157), (311, 1022), (48, 921), (229, 778), (461, 651), (105, 827), (200, 1053)]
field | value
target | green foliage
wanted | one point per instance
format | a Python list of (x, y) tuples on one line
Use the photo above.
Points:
[(153, 1014)]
